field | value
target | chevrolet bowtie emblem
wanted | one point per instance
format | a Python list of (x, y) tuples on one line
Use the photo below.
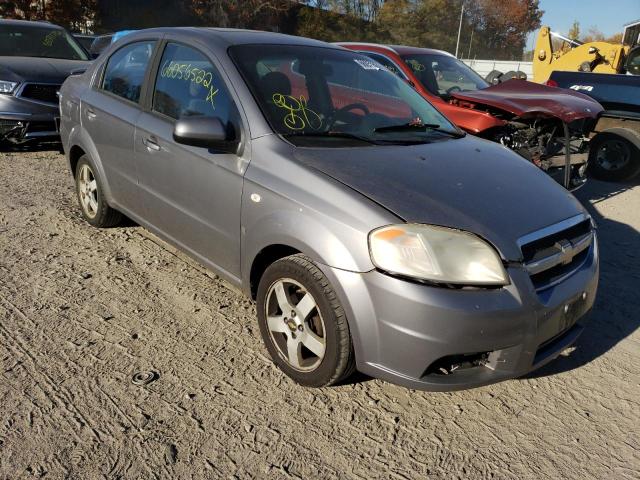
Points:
[(566, 251)]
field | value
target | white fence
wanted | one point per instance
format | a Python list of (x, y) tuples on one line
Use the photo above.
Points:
[(483, 67)]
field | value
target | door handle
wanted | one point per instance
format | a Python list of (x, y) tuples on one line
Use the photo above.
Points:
[(151, 144), (91, 114)]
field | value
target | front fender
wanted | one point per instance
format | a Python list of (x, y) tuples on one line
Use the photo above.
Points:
[(308, 235)]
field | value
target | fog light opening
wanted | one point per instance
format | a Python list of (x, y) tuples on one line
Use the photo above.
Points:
[(9, 128), (451, 364)]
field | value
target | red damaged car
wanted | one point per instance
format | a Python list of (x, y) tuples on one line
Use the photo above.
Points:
[(534, 120)]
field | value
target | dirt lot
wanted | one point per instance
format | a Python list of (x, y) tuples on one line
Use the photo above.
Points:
[(82, 310)]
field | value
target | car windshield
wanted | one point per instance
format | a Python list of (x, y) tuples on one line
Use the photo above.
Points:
[(335, 97), (30, 41), (442, 74)]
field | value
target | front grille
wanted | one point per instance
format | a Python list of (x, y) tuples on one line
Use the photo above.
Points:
[(556, 252), (41, 92)]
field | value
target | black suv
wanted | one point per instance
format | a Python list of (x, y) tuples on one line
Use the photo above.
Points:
[(35, 58)]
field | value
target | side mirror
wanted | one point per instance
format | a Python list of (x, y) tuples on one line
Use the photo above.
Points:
[(206, 132)]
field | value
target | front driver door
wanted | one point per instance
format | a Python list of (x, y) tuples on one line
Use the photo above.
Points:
[(191, 194)]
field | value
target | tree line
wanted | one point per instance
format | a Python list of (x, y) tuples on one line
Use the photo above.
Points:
[(592, 35), (494, 29)]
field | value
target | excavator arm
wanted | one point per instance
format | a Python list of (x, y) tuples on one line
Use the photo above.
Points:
[(554, 52)]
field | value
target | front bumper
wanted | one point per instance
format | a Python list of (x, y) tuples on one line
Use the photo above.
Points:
[(24, 120), (441, 339)]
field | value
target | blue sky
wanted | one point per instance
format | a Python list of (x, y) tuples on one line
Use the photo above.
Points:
[(607, 15)]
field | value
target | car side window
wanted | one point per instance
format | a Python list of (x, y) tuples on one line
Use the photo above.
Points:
[(187, 84), (125, 70)]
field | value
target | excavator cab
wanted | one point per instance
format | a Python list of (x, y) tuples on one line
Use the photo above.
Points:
[(632, 65), (631, 37)]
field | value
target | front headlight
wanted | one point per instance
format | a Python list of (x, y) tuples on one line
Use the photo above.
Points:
[(7, 87), (436, 254)]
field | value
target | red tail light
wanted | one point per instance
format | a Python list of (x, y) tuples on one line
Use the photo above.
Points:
[(552, 83)]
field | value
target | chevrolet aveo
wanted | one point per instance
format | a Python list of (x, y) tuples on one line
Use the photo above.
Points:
[(371, 232)]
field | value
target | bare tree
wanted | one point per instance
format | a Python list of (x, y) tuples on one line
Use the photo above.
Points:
[(237, 13)]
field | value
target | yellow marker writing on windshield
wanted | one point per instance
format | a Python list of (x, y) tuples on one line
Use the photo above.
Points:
[(415, 65), (50, 38), (299, 116)]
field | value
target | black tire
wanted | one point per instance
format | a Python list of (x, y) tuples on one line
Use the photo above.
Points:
[(511, 74), (102, 215), (614, 155), (494, 77), (338, 361)]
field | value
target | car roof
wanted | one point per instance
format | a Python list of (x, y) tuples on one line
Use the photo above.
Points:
[(398, 49), (235, 36), (29, 23)]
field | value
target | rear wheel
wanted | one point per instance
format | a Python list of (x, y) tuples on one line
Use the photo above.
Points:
[(93, 205), (615, 156), (302, 323)]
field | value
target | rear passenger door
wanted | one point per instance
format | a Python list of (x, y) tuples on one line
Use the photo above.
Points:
[(191, 194), (109, 113)]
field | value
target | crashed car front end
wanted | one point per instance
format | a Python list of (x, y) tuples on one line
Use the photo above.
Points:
[(29, 112), (550, 129), (550, 144)]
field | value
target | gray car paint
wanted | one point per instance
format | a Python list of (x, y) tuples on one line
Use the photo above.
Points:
[(324, 202), (471, 187)]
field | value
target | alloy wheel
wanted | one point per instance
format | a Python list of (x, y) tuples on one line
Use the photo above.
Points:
[(88, 191), (295, 325)]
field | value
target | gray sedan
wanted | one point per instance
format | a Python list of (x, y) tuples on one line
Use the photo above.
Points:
[(370, 231)]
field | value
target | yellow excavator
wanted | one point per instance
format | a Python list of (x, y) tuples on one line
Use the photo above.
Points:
[(553, 52)]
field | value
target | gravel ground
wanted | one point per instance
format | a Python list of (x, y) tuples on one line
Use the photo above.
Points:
[(82, 310)]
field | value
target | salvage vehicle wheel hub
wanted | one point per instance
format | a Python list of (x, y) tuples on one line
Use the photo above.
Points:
[(295, 325), (613, 155)]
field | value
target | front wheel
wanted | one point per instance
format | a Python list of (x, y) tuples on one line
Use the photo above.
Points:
[(302, 323), (614, 155)]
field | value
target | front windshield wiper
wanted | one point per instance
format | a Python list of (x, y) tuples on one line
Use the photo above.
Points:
[(418, 127), (352, 136)]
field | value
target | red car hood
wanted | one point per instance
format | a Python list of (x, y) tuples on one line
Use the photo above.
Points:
[(524, 99)]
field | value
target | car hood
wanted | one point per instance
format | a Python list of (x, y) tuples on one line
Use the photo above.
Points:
[(38, 69), (523, 98), (468, 184)]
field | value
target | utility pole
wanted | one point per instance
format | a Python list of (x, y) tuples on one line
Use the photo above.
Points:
[(470, 42), (459, 29)]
